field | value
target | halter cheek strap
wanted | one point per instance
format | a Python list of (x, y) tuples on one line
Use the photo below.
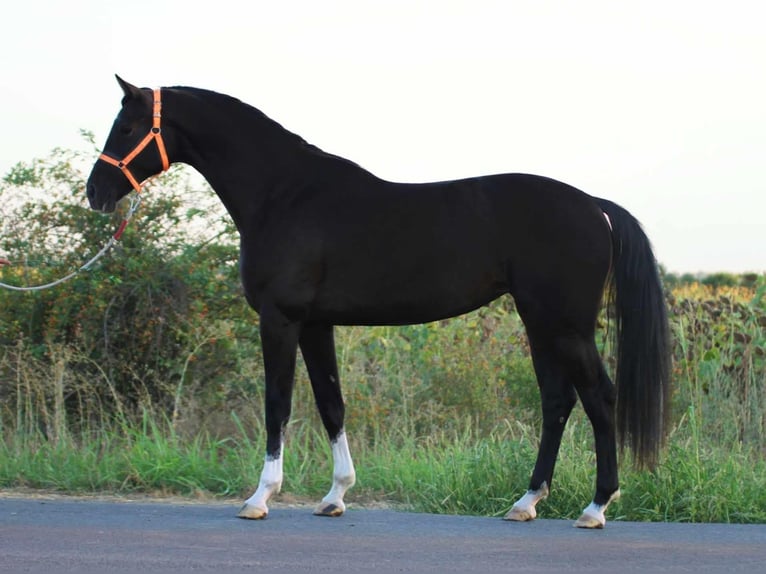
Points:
[(154, 134)]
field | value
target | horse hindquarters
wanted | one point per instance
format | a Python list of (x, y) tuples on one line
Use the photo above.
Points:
[(558, 309), (558, 284)]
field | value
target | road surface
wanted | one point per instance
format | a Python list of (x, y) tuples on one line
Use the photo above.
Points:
[(58, 535)]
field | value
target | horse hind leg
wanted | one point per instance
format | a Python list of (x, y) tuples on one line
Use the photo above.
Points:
[(573, 357), (597, 394), (558, 398), (318, 348)]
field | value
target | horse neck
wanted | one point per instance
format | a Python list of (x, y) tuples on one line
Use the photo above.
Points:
[(242, 154)]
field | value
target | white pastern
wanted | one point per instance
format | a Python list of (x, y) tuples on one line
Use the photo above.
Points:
[(593, 515), (524, 508), (343, 478), (256, 506)]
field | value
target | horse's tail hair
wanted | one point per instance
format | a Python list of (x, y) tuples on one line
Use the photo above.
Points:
[(642, 339)]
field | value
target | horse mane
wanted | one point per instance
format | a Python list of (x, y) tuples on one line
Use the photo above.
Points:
[(240, 107)]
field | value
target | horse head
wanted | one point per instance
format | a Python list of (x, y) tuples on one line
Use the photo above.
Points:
[(125, 162)]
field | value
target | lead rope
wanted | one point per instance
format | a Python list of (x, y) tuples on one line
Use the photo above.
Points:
[(135, 201)]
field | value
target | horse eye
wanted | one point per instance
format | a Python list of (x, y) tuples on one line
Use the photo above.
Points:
[(126, 129)]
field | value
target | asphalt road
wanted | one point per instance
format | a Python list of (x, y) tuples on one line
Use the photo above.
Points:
[(55, 536)]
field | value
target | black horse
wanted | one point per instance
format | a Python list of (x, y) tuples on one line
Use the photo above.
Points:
[(324, 242)]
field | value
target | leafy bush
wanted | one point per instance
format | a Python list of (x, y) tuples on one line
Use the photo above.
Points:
[(160, 313)]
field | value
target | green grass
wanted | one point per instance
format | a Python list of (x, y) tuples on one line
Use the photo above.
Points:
[(143, 459), (448, 473)]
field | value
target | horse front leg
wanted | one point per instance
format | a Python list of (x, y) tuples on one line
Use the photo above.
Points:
[(279, 341), (318, 349)]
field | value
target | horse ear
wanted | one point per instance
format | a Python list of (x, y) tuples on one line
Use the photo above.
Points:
[(130, 91)]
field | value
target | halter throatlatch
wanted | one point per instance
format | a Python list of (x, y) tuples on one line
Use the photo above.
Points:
[(154, 134)]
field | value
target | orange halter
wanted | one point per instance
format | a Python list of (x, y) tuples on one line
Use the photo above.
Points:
[(154, 134)]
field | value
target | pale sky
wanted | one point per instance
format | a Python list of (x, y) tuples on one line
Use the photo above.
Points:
[(659, 106)]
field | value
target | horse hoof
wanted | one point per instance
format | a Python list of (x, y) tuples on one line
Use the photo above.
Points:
[(518, 514), (251, 512), (589, 521), (330, 509)]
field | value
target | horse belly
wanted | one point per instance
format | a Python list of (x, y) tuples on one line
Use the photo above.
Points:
[(390, 291)]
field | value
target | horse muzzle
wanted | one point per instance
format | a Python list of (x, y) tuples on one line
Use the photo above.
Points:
[(99, 201)]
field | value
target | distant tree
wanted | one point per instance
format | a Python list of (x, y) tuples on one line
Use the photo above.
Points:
[(717, 280), (687, 279)]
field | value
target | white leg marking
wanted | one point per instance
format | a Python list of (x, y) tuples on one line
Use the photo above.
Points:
[(593, 515), (343, 478), (524, 509), (256, 507)]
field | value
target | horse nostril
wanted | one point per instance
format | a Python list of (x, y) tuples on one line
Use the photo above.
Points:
[(91, 193)]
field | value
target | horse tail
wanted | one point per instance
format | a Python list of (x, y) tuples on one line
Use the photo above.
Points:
[(642, 339)]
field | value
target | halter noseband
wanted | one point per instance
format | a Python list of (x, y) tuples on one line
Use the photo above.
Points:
[(154, 134)]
